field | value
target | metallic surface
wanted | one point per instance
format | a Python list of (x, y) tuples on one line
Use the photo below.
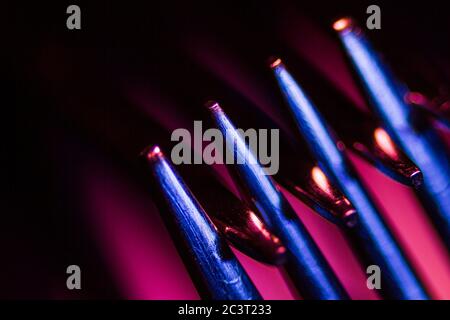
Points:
[(236, 221), (310, 272), (369, 235), (414, 134), (359, 131), (240, 225), (310, 184), (382, 152), (438, 107), (214, 269)]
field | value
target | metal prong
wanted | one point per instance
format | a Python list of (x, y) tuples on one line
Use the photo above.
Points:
[(214, 269), (410, 131), (369, 236), (307, 267)]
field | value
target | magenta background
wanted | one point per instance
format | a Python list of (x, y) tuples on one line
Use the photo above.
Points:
[(120, 217), (142, 256), (146, 265)]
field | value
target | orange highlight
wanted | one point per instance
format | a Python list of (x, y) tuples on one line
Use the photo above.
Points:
[(342, 24), (155, 151), (385, 142), (321, 180), (276, 63)]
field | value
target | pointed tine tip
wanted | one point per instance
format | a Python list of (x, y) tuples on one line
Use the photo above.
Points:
[(350, 217), (416, 179), (274, 62), (152, 152), (343, 24), (213, 106)]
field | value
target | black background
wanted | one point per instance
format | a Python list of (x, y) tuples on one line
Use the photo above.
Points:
[(68, 102)]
